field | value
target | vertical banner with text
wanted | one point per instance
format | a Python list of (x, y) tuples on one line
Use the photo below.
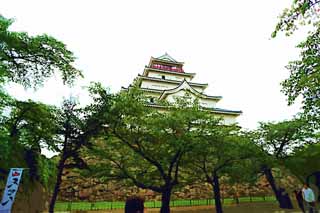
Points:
[(11, 189)]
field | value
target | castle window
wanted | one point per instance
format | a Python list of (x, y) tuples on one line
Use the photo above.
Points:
[(151, 100), (163, 77)]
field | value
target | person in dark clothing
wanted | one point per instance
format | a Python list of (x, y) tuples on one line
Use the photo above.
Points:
[(299, 199), (134, 204), (285, 199)]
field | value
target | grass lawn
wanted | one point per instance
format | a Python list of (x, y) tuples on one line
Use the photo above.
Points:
[(253, 207), (67, 206)]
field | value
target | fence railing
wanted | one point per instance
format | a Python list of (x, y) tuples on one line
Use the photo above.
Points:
[(107, 205)]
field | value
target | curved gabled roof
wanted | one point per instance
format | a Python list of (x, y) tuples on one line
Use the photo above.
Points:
[(224, 111), (171, 81), (167, 57), (184, 85)]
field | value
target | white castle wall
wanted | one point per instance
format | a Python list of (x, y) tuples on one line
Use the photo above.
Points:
[(208, 103), (228, 119), (149, 84), (157, 85), (168, 76)]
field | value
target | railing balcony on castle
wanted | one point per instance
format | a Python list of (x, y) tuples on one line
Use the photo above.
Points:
[(167, 68)]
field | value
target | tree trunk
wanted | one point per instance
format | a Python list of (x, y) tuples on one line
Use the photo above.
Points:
[(165, 200), (14, 133), (236, 199), (216, 192), (283, 199), (268, 173), (57, 185), (31, 158)]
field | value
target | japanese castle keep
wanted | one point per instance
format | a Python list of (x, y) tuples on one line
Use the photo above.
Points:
[(164, 79)]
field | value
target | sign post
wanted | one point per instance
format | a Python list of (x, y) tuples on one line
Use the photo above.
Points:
[(11, 189)]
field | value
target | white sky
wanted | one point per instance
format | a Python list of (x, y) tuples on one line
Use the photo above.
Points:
[(227, 43)]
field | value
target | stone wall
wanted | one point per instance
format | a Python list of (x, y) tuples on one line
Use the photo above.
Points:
[(77, 188)]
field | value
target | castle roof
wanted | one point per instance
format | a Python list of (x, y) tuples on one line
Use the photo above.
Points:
[(171, 81), (167, 57), (184, 85)]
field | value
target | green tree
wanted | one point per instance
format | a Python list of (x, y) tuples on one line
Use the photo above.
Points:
[(78, 127), (281, 138), (28, 127), (29, 60), (31, 124), (304, 72), (302, 163), (147, 148), (300, 13), (219, 152), (304, 79), (278, 141)]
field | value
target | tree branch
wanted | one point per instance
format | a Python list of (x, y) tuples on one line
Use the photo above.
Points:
[(142, 154), (134, 180)]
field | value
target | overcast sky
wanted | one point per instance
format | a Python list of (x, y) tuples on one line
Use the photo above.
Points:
[(227, 43)]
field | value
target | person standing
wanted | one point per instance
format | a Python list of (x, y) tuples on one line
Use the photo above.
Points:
[(134, 204), (309, 198)]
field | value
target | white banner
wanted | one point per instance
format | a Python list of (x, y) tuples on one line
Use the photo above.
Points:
[(11, 189)]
